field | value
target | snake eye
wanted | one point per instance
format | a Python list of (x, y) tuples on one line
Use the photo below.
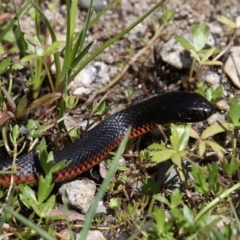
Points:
[(206, 110)]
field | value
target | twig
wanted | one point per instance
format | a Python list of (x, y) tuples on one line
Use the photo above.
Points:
[(132, 60)]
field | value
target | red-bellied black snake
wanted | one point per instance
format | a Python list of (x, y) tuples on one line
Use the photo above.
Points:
[(92, 147)]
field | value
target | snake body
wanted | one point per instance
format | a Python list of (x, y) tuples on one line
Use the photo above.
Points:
[(93, 146)]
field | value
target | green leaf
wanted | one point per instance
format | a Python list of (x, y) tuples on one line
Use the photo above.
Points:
[(201, 147), (176, 198), (99, 108), (188, 214), (213, 176), (200, 180), (4, 64), (162, 199), (177, 158), (204, 218), (53, 48), (208, 54), (217, 94), (167, 14), (227, 22), (99, 196), (26, 201), (180, 136), (216, 128), (45, 187), (47, 206), (17, 66), (200, 36), (159, 216), (157, 146), (2, 51), (184, 132), (195, 55), (60, 165), (231, 167), (42, 233), (46, 160), (21, 107), (30, 58), (217, 148), (163, 155), (19, 37), (28, 192), (115, 203), (234, 112), (211, 63), (81, 55), (185, 43), (33, 44), (45, 100), (16, 131), (27, 196)]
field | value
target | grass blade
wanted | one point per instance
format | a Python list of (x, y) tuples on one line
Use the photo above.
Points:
[(114, 39), (28, 223), (103, 187)]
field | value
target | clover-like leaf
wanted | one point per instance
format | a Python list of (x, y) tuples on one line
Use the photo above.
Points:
[(215, 129), (45, 187), (53, 48), (185, 43), (227, 22), (176, 198), (200, 35), (33, 44), (217, 148), (163, 155)]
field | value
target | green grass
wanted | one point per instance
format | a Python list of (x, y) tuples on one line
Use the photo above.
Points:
[(149, 213)]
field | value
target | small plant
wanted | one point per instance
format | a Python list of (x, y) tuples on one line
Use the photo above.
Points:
[(145, 213)]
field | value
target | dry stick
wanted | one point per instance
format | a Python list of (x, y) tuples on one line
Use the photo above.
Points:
[(227, 47), (132, 60)]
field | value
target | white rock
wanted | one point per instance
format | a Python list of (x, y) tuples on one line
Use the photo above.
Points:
[(216, 117), (93, 235), (97, 4), (79, 194), (222, 105), (94, 75), (232, 65), (211, 78)]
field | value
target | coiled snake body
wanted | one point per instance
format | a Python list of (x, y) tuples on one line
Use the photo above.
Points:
[(92, 147)]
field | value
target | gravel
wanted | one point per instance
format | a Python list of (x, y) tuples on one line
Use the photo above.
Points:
[(160, 69)]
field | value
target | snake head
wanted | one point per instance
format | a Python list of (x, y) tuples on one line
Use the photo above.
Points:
[(195, 108)]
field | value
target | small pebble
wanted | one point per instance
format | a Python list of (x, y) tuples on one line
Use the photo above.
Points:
[(232, 66), (211, 78), (97, 4), (215, 28), (95, 75), (222, 105), (79, 194), (216, 117), (65, 234), (101, 208), (93, 235)]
